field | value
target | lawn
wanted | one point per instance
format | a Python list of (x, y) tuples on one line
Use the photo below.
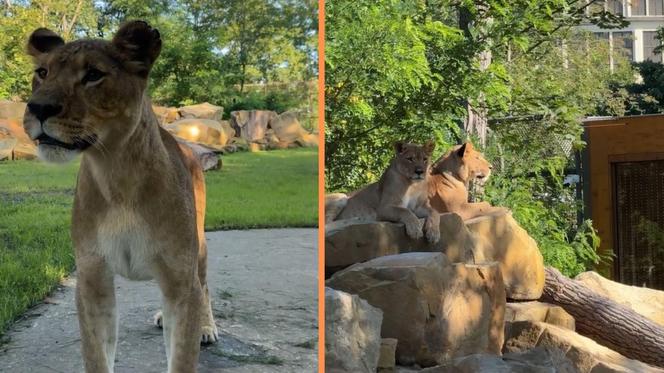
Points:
[(252, 190)]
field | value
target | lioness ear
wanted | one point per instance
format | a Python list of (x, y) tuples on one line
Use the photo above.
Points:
[(399, 147), (429, 146), (140, 43), (43, 40), (462, 150)]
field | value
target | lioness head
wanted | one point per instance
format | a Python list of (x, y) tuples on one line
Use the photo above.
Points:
[(412, 160), (465, 163), (88, 92)]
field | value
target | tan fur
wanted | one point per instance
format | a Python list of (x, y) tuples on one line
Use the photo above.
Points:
[(449, 179), (400, 195), (139, 204)]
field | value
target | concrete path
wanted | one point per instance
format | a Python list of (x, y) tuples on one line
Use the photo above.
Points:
[(264, 295)]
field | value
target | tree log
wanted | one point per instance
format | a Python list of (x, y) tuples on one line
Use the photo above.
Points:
[(605, 321)]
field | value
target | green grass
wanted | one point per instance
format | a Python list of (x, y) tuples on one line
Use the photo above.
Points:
[(265, 189)]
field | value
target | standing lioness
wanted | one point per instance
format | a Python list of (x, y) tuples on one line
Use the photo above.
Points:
[(400, 195), (140, 198)]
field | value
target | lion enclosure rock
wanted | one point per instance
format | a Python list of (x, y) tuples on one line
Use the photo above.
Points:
[(352, 333), (585, 354), (202, 111), (14, 143), (204, 131), (166, 114), (537, 360), (500, 238), (644, 301), (12, 110), (251, 125), (496, 237), (539, 311), (436, 310)]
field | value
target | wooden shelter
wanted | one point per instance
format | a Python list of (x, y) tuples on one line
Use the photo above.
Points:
[(623, 183)]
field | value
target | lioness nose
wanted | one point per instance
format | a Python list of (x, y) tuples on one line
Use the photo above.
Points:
[(44, 111), (419, 171)]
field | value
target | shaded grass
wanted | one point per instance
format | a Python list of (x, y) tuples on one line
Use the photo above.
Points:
[(267, 189)]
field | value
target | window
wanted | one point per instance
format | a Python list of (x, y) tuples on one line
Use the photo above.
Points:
[(649, 44), (623, 42), (638, 7), (615, 6), (655, 7)]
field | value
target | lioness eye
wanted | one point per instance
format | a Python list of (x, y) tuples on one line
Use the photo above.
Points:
[(41, 73), (410, 159), (92, 75)]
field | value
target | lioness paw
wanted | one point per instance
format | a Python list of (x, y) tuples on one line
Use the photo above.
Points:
[(209, 334), (156, 320)]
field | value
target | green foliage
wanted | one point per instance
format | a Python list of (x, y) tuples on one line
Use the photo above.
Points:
[(212, 49), (405, 70)]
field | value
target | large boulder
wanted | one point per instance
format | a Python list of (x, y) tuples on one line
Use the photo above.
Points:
[(251, 124), (287, 127), (585, 354), (207, 157), (538, 360), (645, 301), (435, 309), (386, 359), (352, 333), (12, 110), (539, 311), (500, 238), (202, 111), (307, 140), (205, 131), (14, 142), (351, 241), (166, 114)]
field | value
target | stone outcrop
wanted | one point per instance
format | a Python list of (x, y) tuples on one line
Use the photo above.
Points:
[(202, 111), (207, 157), (12, 110), (435, 309), (500, 238), (205, 131), (352, 333), (496, 237), (287, 127), (351, 241), (166, 114), (14, 142), (251, 125), (645, 301), (585, 354), (386, 359), (539, 312), (537, 360)]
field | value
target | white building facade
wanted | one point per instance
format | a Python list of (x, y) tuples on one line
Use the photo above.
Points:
[(637, 40)]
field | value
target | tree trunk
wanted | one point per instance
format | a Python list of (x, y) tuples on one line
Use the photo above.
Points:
[(605, 321)]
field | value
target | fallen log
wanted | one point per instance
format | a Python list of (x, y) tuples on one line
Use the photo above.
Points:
[(605, 321), (207, 156)]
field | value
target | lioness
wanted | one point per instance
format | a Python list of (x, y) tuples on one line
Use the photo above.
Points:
[(400, 195), (449, 179), (139, 204)]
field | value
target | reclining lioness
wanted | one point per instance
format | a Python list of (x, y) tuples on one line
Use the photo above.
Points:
[(449, 180), (139, 204), (400, 195)]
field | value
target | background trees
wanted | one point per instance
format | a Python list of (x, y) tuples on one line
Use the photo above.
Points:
[(245, 54), (410, 69)]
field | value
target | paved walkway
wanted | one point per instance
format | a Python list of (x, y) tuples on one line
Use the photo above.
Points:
[(264, 295)]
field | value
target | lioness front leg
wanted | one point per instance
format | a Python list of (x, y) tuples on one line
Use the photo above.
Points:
[(432, 225), (181, 320), (97, 317), (402, 215), (209, 332)]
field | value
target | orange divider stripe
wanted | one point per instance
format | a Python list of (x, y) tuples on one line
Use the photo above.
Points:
[(321, 186)]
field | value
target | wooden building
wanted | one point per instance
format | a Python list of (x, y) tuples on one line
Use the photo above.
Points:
[(623, 184)]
